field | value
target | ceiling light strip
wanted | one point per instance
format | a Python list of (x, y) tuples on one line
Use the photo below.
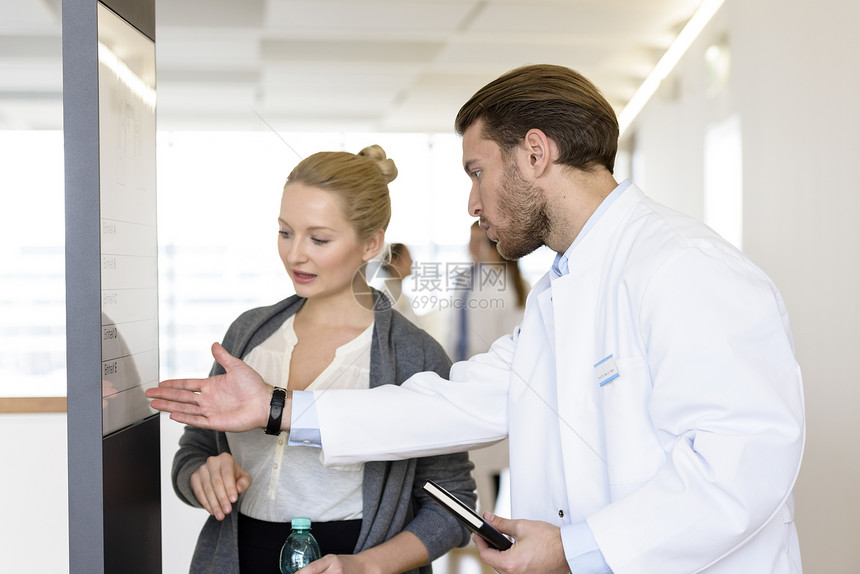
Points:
[(668, 62)]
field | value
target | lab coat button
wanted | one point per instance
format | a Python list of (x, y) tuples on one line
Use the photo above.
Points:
[(561, 513)]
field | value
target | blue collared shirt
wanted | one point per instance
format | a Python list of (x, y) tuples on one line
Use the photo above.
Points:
[(560, 265), (304, 424)]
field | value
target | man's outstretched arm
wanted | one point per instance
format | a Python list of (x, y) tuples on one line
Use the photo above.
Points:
[(236, 401)]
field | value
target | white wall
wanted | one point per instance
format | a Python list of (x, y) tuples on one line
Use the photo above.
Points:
[(34, 513), (796, 90)]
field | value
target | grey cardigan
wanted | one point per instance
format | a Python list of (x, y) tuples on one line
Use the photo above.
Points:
[(393, 500)]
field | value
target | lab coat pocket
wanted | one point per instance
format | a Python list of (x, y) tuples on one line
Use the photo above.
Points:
[(633, 452)]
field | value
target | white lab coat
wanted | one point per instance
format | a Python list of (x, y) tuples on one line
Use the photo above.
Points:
[(683, 463)]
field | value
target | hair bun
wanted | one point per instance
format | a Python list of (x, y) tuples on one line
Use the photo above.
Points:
[(384, 163)]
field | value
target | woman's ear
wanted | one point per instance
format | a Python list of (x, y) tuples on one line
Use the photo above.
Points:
[(373, 245), (539, 150)]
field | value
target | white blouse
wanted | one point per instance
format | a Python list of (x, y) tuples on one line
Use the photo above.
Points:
[(291, 481)]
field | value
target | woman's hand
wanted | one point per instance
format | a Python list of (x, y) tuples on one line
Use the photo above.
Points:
[(218, 483), (402, 553), (339, 564), (537, 547), (236, 401)]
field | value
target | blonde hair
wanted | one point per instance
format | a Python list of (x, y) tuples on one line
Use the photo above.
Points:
[(359, 181)]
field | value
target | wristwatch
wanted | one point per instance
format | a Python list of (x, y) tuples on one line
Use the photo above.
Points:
[(276, 411)]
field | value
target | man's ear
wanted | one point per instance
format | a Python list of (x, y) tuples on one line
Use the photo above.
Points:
[(539, 150), (373, 245)]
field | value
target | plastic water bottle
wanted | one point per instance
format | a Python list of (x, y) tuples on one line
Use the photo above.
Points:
[(301, 547)]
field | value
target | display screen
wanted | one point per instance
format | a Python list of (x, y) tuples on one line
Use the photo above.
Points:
[(129, 246)]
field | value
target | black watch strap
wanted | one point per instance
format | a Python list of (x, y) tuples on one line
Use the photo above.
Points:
[(276, 411)]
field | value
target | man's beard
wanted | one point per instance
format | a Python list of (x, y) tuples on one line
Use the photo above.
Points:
[(523, 224)]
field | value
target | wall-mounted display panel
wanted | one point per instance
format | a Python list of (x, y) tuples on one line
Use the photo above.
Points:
[(111, 286), (129, 248)]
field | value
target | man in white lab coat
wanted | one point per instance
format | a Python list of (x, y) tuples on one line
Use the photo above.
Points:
[(651, 397)]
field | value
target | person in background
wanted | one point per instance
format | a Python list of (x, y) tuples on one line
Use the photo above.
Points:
[(651, 394), (398, 265), (493, 305), (333, 334)]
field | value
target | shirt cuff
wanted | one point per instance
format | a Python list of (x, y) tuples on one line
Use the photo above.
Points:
[(304, 425), (581, 551)]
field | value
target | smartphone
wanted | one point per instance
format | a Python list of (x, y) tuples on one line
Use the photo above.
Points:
[(467, 516)]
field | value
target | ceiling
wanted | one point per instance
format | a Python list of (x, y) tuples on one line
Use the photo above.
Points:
[(346, 65)]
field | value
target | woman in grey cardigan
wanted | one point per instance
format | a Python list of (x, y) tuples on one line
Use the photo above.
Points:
[(335, 333)]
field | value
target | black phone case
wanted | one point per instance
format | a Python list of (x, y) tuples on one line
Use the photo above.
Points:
[(468, 517)]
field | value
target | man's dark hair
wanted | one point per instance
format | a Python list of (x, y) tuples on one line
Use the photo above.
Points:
[(560, 102)]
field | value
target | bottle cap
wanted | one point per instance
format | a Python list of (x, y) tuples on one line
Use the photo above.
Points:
[(301, 523)]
